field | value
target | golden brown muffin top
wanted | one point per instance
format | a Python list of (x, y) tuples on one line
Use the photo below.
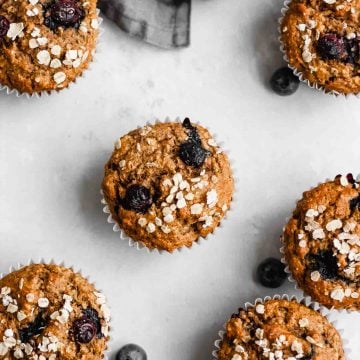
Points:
[(322, 243), (182, 200), (282, 330), (48, 42), (321, 39), (50, 312)]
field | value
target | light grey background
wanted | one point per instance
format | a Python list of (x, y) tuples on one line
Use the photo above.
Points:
[(52, 152)]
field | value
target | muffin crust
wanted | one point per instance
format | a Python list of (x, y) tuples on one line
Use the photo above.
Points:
[(188, 202), (321, 243), (36, 58), (302, 26), (39, 305), (280, 329)]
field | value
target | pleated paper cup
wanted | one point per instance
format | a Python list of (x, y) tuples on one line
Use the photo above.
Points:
[(140, 245), (304, 301), (19, 266), (298, 73), (40, 94)]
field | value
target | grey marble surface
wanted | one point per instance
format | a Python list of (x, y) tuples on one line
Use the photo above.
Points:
[(52, 152)]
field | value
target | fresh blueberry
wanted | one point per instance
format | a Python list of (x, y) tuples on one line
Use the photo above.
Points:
[(332, 47), (33, 329), (4, 26), (137, 198), (66, 13), (84, 330), (271, 273), (284, 82), (131, 352), (191, 151), (326, 263)]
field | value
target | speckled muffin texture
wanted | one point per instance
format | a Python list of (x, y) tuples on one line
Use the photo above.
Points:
[(45, 44), (168, 184), (322, 243), (321, 40), (282, 330), (49, 312)]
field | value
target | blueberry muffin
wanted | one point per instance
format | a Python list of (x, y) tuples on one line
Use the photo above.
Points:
[(280, 329), (50, 312), (321, 39), (168, 184), (322, 243), (45, 44)]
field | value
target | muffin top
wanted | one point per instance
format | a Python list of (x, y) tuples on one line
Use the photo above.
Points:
[(168, 184), (322, 243), (280, 329), (321, 39), (50, 312), (45, 44)]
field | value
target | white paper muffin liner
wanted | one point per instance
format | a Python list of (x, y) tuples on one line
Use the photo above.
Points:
[(304, 301), (19, 266), (287, 269), (141, 246), (298, 73), (40, 94)]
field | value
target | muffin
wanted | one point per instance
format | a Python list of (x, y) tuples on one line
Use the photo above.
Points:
[(168, 184), (280, 329), (45, 44), (51, 312), (321, 41), (322, 243)]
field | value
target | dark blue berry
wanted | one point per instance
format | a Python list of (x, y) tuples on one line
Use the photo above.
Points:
[(137, 198), (33, 329), (191, 151), (332, 47), (92, 314), (325, 263), (271, 273), (284, 82), (4, 25), (84, 330), (353, 49), (355, 204), (66, 13), (192, 154), (131, 352)]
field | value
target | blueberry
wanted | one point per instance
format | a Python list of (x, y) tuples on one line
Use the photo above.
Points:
[(355, 203), (84, 330), (137, 198), (332, 47), (66, 13), (353, 49), (326, 263), (270, 273), (131, 352), (284, 82), (192, 154), (33, 329), (4, 26), (191, 151), (94, 316)]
